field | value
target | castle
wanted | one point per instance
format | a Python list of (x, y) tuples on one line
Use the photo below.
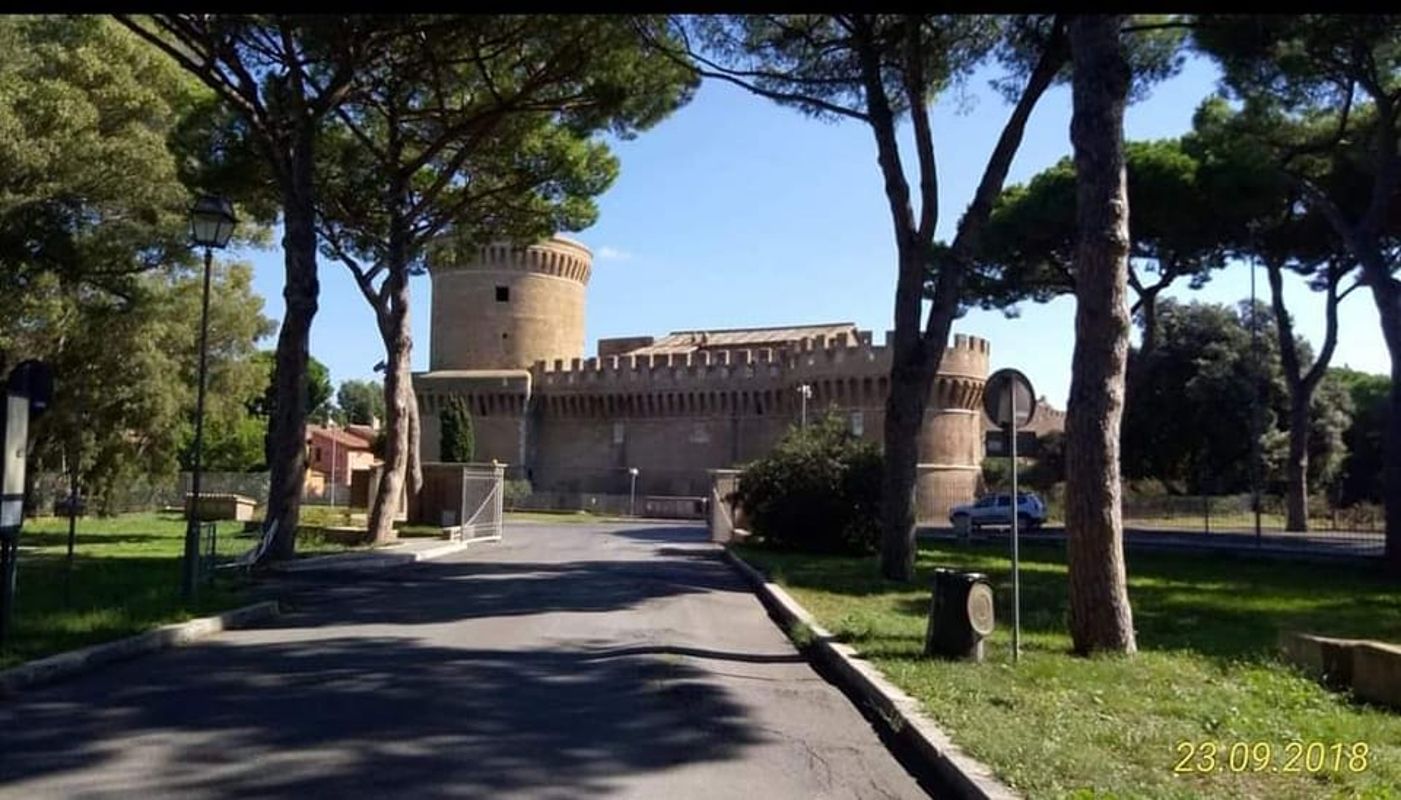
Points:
[(507, 335)]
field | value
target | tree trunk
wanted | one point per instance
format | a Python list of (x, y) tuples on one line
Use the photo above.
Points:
[(1296, 470), (1386, 292), (1296, 504), (1148, 306), (1100, 615), (904, 414), (286, 443), (398, 401)]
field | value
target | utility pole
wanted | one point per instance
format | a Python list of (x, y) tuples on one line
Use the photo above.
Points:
[(805, 392), (1255, 406)]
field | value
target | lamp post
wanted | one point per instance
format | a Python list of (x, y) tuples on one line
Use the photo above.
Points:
[(211, 225), (632, 492), (805, 392)]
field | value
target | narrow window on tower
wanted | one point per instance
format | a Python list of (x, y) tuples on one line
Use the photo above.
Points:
[(503, 294)]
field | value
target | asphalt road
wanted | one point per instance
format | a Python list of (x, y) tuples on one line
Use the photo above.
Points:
[(567, 661)]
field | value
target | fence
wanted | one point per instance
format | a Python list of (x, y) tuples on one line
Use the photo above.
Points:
[(153, 493), (1358, 529)]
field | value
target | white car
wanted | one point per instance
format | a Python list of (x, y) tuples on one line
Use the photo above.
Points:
[(995, 509)]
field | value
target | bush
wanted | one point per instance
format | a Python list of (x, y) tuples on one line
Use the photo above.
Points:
[(819, 490)]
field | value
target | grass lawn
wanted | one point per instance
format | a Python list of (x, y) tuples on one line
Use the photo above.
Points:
[(125, 579), (1061, 726)]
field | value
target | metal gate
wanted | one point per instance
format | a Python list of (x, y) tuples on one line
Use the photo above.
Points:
[(481, 510)]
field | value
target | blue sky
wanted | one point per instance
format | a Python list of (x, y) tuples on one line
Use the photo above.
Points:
[(735, 212)]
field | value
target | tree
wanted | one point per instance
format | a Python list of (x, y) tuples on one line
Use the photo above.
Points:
[(1361, 480), (234, 436), (96, 273), (318, 382), (126, 368), (1268, 224), (89, 190), (1100, 615), (1176, 233), (281, 76), (1190, 422), (360, 402), (474, 129), (459, 444), (1293, 75), (877, 69)]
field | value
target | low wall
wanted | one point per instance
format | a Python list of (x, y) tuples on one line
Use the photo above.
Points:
[(221, 506), (1372, 670)]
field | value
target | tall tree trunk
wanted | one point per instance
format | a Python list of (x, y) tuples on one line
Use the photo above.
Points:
[(1386, 292), (1296, 471), (917, 355), (399, 407), (1100, 615), (286, 444), (904, 415), (1148, 306), (1302, 385)]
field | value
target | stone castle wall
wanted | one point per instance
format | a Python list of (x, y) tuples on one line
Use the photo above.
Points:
[(578, 425)]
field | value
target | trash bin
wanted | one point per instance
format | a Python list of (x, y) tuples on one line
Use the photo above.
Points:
[(960, 615)]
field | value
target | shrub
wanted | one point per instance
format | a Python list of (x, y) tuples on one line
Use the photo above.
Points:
[(819, 490), (458, 443)]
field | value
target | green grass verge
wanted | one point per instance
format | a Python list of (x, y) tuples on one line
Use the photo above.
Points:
[(125, 580), (1061, 726)]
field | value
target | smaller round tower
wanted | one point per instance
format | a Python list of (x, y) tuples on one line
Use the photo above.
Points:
[(510, 306)]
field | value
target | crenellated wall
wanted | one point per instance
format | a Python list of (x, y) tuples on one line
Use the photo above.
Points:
[(578, 425), (508, 336)]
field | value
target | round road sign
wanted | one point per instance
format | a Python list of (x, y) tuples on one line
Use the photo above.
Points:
[(1008, 398)]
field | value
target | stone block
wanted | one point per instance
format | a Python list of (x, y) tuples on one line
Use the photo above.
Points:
[(1328, 659), (1376, 673), (222, 506)]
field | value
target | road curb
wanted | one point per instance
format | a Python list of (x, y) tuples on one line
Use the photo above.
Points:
[(374, 560), (956, 771), (75, 662)]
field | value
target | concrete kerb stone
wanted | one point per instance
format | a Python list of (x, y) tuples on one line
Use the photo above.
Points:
[(75, 662), (958, 773), (375, 559)]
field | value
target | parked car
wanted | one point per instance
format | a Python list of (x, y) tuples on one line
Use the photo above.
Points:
[(995, 509)]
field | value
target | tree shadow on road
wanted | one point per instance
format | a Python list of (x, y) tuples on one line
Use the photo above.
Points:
[(379, 717)]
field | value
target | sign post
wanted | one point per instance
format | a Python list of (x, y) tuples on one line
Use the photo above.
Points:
[(27, 394), (1010, 402)]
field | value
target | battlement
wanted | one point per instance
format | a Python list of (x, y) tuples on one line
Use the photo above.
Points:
[(556, 256), (838, 356)]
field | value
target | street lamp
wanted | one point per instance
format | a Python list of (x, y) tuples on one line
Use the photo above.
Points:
[(632, 493), (212, 222), (805, 391)]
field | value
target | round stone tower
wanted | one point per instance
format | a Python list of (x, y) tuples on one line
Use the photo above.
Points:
[(510, 307)]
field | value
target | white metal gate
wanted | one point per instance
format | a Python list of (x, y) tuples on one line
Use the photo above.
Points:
[(481, 510)]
